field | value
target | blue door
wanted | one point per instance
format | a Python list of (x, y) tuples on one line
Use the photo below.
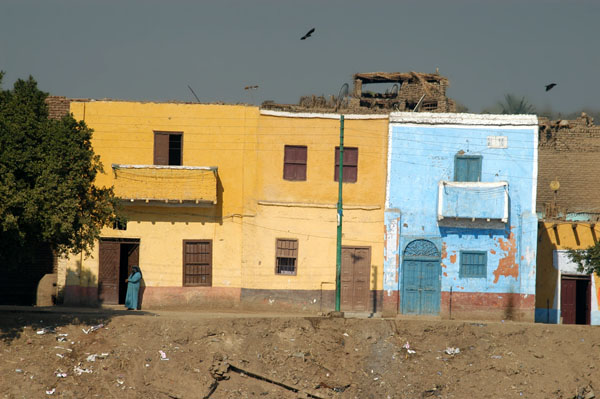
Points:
[(421, 271)]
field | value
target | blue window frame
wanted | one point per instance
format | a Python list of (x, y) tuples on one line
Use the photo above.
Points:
[(467, 168), (473, 264)]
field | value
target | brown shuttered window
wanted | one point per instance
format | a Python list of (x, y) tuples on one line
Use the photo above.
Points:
[(294, 162), (286, 260), (350, 164), (168, 148), (197, 263)]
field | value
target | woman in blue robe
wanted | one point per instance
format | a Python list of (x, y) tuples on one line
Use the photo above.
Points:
[(133, 288)]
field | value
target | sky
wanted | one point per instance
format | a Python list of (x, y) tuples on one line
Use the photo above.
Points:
[(151, 50)]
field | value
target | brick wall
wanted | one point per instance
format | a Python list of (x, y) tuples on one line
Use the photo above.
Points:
[(58, 106), (569, 151)]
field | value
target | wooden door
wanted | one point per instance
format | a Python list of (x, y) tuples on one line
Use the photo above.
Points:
[(108, 273), (411, 297), (421, 278), (355, 278), (421, 286), (430, 287)]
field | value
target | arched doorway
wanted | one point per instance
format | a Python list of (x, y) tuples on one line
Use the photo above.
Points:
[(421, 278)]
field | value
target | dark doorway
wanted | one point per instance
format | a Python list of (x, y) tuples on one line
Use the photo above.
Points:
[(575, 299), (355, 278), (117, 256)]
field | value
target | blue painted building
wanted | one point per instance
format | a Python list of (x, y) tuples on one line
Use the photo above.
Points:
[(460, 221)]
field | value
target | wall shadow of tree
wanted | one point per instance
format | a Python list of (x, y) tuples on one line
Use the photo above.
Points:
[(509, 306)]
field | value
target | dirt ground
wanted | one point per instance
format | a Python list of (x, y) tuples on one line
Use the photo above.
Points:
[(246, 356)]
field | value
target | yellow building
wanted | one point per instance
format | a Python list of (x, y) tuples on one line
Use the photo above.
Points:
[(295, 217), (230, 205), (563, 294)]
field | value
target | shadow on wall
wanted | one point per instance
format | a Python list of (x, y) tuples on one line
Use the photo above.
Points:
[(509, 307), (141, 293), (374, 289), (81, 288)]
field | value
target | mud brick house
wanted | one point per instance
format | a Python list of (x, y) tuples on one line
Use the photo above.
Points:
[(405, 91), (568, 206), (231, 206), (410, 91), (460, 220)]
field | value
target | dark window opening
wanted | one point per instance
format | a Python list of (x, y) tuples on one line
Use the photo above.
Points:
[(175, 149), (350, 169), (429, 106), (467, 168), (286, 257), (410, 105), (294, 162), (120, 224), (168, 148), (473, 264)]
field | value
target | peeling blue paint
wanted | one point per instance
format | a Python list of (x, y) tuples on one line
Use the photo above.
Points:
[(420, 156)]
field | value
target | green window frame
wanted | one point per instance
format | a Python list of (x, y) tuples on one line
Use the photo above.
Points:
[(467, 167), (473, 264)]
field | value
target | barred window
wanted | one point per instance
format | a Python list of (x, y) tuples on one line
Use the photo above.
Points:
[(197, 263), (473, 264), (286, 258)]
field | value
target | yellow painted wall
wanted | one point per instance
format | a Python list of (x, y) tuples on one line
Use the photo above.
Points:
[(306, 210), (321, 136), (255, 206), (213, 135), (556, 238)]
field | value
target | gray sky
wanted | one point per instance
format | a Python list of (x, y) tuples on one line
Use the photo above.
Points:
[(151, 50)]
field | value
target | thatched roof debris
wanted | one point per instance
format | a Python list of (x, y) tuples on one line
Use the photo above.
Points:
[(411, 91), (400, 77)]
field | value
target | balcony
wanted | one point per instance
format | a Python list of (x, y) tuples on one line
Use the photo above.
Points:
[(158, 184), (473, 201)]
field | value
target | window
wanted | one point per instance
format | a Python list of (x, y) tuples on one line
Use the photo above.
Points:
[(294, 162), (350, 171), (120, 224), (197, 263), (473, 264), (467, 168), (286, 258), (168, 148), (429, 106)]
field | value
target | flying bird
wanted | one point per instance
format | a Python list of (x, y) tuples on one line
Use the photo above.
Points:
[(310, 32), (250, 87), (550, 86)]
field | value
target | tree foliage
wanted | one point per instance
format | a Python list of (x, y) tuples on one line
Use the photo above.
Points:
[(587, 260), (512, 105), (47, 170)]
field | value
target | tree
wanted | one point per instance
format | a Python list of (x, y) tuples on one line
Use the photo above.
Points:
[(588, 260), (47, 172), (511, 105)]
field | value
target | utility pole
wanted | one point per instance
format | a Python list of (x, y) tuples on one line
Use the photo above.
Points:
[(340, 213)]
